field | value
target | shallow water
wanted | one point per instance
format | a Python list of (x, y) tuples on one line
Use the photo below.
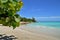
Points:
[(48, 28), (55, 24)]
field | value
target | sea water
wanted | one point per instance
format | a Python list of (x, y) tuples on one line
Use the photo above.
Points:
[(51, 28), (54, 24)]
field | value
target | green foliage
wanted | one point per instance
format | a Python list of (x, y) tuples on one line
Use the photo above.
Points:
[(27, 19), (8, 9), (33, 19)]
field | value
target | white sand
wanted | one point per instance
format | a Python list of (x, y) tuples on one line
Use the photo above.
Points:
[(24, 33)]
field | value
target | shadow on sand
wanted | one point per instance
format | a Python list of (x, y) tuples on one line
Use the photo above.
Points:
[(5, 37)]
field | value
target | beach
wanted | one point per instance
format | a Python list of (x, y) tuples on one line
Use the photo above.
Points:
[(37, 19), (26, 33)]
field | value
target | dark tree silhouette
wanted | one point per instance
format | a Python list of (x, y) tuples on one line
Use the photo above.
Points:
[(5, 37)]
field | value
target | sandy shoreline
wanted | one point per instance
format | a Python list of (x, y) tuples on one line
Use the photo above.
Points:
[(22, 34)]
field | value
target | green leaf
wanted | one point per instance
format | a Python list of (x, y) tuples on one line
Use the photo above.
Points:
[(14, 25), (17, 19), (4, 1), (8, 10)]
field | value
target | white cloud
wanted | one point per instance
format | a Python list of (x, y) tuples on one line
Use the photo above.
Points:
[(49, 17)]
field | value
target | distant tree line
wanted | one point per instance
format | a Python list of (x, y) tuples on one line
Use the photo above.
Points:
[(27, 19)]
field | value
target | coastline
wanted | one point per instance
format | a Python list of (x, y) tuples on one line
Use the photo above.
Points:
[(24, 23), (22, 33)]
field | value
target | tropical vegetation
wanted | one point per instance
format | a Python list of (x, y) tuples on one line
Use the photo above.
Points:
[(8, 13), (23, 19), (8, 10)]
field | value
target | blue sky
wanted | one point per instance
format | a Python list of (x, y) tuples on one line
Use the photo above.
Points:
[(42, 10)]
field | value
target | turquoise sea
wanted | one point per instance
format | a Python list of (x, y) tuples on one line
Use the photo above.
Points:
[(50, 28), (55, 24)]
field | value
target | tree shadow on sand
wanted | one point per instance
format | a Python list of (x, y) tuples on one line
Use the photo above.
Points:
[(5, 37)]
